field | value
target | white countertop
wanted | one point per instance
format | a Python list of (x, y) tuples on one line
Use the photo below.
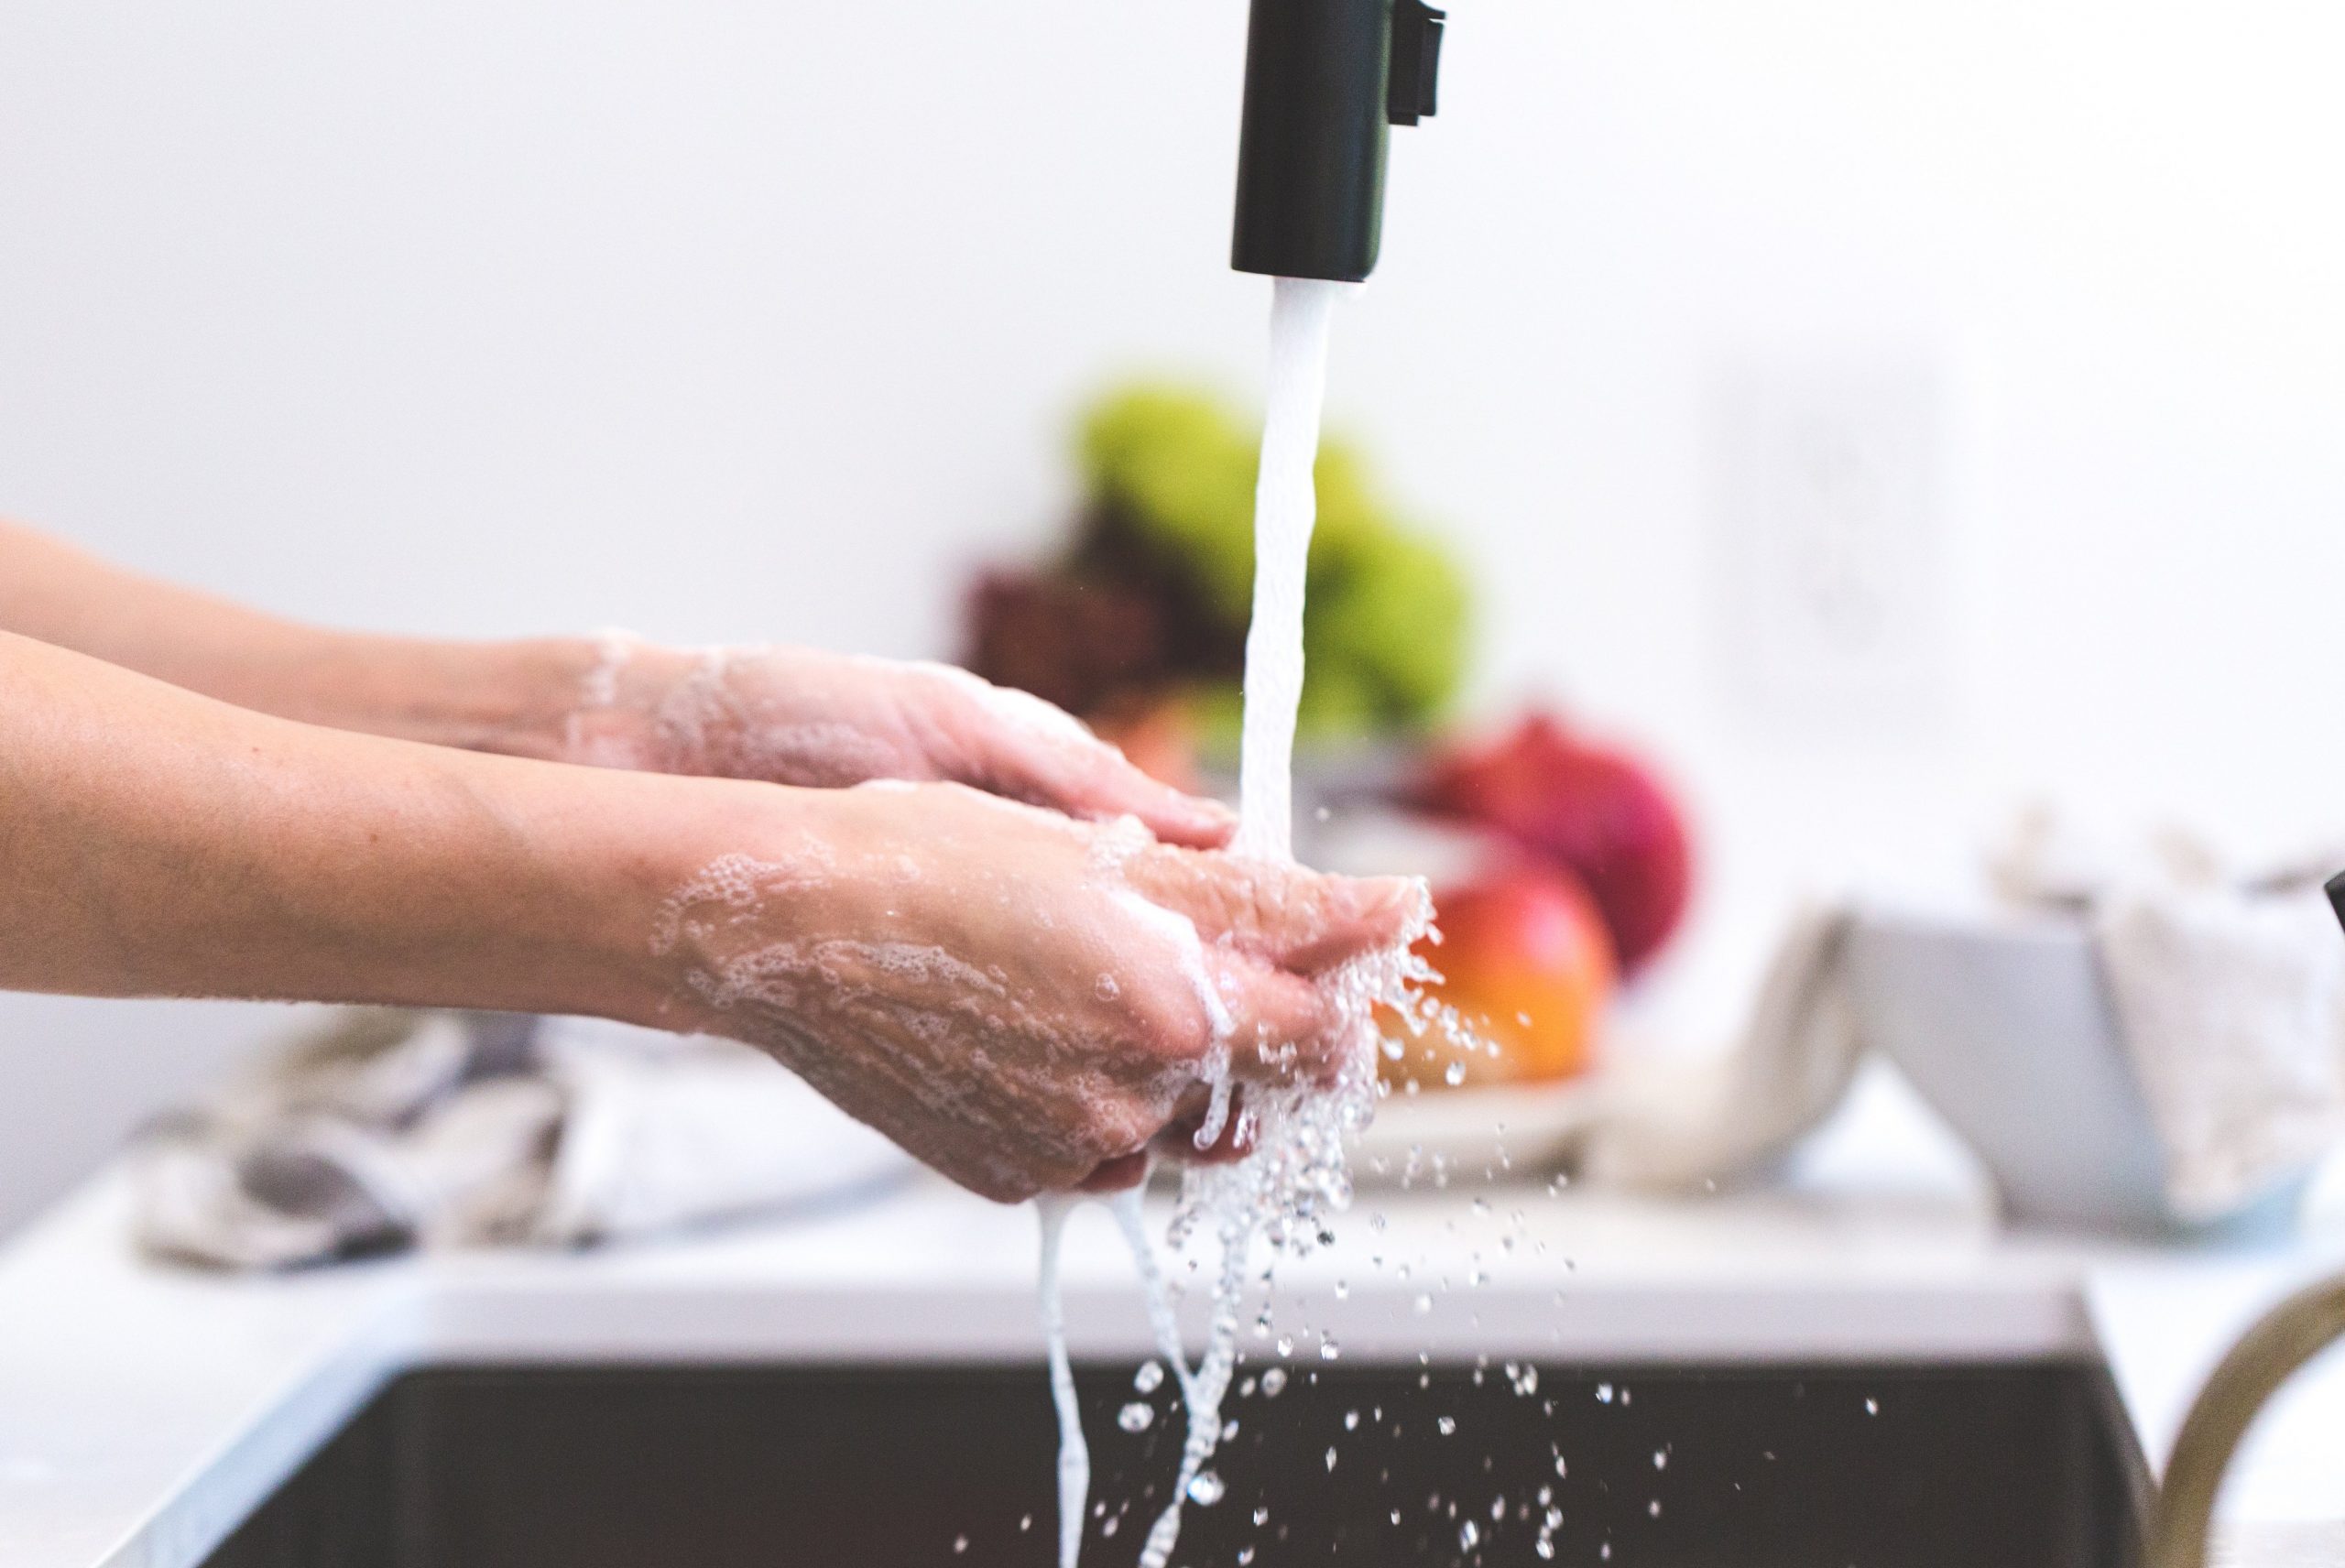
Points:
[(145, 1410)]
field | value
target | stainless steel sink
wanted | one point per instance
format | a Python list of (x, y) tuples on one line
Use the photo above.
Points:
[(2009, 1466)]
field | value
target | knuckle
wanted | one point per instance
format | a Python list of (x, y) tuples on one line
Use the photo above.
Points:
[(1171, 1027), (1125, 1127)]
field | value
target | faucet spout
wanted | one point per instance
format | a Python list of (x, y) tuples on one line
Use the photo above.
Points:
[(1324, 81), (2272, 1352)]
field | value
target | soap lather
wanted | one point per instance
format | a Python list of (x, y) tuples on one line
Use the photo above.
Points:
[(1325, 82)]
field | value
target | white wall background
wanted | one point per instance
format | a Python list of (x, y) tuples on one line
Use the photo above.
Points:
[(735, 320)]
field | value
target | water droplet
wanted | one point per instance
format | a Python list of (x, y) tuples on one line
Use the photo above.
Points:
[(1873, 1407), (1205, 1489), (1470, 1535), (1660, 1459), (1329, 1350), (1653, 1507), (1351, 1420), (1604, 1393), (1135, 1417), (1273, 1382), (1149, 1377), (1453, 1074), (1286, 1344), (1544, 1548), (1424, 1303), (1331, 1456), (1244, 1555), (1498, 1508), (960, 1543), (1025, 1523), (1262, 1518), (1448, 1425), (1553, 1518), (1106, 990), (1343, 1290)]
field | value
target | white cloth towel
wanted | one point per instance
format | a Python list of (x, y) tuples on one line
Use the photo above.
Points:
[(397, 1130), (1679, 1126)]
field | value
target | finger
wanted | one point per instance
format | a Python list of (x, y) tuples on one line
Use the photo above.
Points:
[(1283, 915), (1234, 1142), (1088, 777), (1282, 1027), (1117, 1175)]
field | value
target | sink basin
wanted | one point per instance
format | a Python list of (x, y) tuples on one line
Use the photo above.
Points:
[(598, 1466)]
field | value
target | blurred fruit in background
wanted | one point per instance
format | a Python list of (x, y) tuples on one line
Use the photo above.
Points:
[(1159, 738), (1148, 601), (1526, 962), (1567, 865), (1590, 809)]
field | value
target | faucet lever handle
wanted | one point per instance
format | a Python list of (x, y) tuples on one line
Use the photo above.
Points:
[(1415, 89)]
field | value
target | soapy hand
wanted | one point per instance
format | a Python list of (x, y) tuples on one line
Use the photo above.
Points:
[(788, 715), (1027, 1002)]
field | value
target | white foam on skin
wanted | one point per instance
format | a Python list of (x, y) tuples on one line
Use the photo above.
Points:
[(798, 716), (1181, 932)]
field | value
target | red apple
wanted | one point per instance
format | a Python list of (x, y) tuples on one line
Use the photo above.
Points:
[(1588, 808), (1527, 964)]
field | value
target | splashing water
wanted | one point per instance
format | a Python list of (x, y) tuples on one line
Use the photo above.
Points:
[(1285, 1191), (1286, 505)]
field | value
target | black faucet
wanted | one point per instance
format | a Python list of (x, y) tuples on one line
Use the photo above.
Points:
[(1323, 80)]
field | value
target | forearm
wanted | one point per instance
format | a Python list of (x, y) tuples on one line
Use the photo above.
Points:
[(154, 842), (510, 697)]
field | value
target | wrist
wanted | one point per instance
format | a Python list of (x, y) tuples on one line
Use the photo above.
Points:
[(657, 877), (514, 699)]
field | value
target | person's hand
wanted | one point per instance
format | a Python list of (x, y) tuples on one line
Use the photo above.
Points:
[(1026, 1002), (798, 716)]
